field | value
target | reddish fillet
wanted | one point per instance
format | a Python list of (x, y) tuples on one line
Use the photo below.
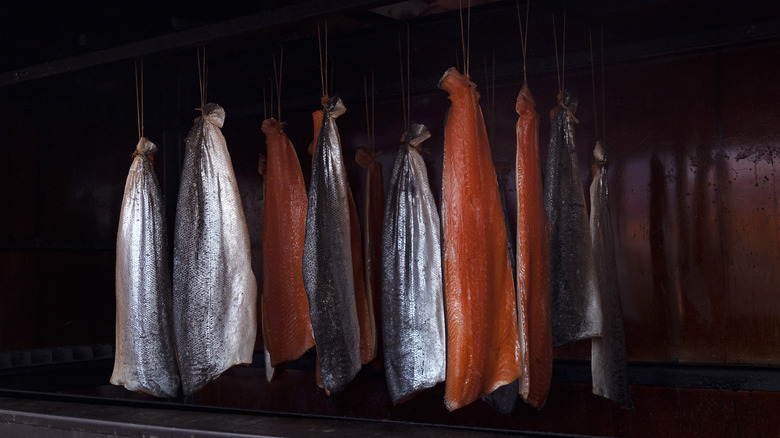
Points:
[(533, 259), (483, 349), (372, 240), (287, 331)]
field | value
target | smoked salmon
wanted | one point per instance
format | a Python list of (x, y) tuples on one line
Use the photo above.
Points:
[(327, 259), (214, 289), (412, 287), (533, 258), (145, 358), (483, 349), (286, 324), (576, 308), (363, 301), (374, 210), (608, 352)]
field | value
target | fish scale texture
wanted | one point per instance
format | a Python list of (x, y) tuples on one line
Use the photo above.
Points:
[(576, 310), (214, 289), (533, 258), (287, 332), (483, 350), (145, 358), (412, 287), (327, 259), (608, 353)]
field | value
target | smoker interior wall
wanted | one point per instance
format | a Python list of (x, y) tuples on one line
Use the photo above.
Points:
[(693, 142)]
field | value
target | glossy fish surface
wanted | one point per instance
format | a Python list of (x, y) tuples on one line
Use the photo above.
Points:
[(286, 323), (576, 308), (483, 349), (214, 289), (412, 287), (145, 358), (533, 258), (327, 258), (608, 352)]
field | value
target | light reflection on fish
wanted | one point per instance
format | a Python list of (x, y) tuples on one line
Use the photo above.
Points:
[(145, 358), (412, 287), (214, 289), (576, 308), (608, 353), (327, 259)]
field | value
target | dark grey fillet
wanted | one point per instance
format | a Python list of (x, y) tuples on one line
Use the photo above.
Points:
[(412, 286), (214, 289), (504, 398), (145, 358), (327, 259), (608, 353), (576, 310)]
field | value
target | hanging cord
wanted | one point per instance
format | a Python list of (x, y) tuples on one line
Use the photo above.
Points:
[(373, 111), (593, 84), (202, 78), (603, 93), (368, 120), (139, 99), (403, 88), (265, 111), (369, 114), (524, 35), (462, 34), (278, 80), (408, 81), (557, 66), (563, 54), (468, 37), (319, 45), (271, 106)]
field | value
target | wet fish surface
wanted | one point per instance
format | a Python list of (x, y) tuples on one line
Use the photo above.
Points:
[(286, 324), (504, 398), (608, 352), (483, 349), (576, 308), (372, 241), (412, 286), (533, 258), (327, 258), (145, 358), (214, 289)]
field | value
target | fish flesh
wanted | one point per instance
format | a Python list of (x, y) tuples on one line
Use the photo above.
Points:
[(576, 308), (214, 289), (363, 303), (533, 258), (363, 300), (504, 399), (483, 349), (412, 287), (374, 212), (608, 352), (145, 358), (286, 323), (327, 259)]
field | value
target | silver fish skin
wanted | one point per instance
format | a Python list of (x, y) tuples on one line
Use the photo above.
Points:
[(413, 320), (608, 353), (576, 308), (145, 358), (327, 259), (214, 289)]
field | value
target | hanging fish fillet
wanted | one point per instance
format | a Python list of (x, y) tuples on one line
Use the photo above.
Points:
[(504, 399), (327, 259), (372, 240), (482, 341), (533, 258), (608, 353), (287, 332), (145, 358), (214, 289), (576, 310), (363, 300), (412, 288)]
